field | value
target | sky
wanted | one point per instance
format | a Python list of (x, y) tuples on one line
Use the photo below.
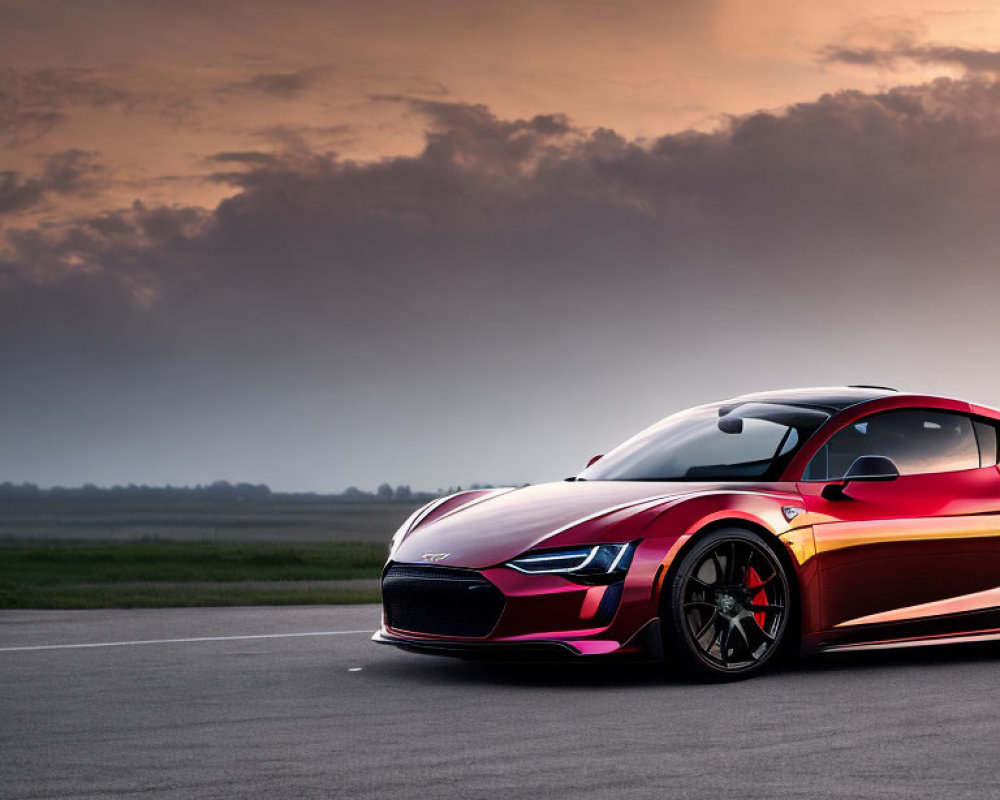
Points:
[(322, 244)]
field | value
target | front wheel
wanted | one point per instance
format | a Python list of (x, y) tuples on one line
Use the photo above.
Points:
[(728, 607)]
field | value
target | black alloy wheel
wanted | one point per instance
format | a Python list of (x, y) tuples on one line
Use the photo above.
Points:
[(729, 606)]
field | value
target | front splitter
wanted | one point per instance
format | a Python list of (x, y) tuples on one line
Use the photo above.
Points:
[(487, 651), (646, 642)]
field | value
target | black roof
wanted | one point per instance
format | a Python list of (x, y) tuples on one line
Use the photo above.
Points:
[(830, 399)]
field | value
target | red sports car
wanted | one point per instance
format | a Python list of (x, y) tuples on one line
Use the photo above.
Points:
[(723, 537)]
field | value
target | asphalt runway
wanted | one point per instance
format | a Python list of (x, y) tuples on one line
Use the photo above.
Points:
[(334, 715)]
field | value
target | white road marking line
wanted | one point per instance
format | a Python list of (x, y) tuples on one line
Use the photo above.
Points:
[(354, 669), (178, 641)]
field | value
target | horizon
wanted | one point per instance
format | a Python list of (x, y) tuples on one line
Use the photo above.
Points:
[(352, 489)]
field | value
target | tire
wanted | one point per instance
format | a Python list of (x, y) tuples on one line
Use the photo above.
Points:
[(728, 607)]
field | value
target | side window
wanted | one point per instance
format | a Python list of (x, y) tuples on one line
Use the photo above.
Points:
[(917, 440)]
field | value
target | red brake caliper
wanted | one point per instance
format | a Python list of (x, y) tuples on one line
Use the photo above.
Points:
[(757, 598)]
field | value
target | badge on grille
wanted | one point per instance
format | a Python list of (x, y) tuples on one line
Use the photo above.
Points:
[(435, 556)]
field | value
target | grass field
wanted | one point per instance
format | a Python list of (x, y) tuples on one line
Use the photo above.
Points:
[(179, 573), (70, 520)]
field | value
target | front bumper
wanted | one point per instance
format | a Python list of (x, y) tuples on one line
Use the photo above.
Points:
[(499, 613)]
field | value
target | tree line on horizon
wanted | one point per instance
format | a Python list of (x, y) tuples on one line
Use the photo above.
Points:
[(222, 491)]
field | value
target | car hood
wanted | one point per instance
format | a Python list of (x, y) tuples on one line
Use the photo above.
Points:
[(502, 525)]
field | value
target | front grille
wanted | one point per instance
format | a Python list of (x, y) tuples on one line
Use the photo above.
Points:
[(440, 600)]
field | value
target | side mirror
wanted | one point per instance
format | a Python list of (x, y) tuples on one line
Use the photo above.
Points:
[(865, 469), (730, 424), (595, 459)]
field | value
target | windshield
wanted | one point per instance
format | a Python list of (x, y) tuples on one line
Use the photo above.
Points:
[(719, 442)]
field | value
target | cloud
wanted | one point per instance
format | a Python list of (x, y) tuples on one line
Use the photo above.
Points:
[(288, 136), (17, 194), (71, 172), (973, 61), (518, 270), (284, 85), (538, 201), (32, 103), (242, 157)]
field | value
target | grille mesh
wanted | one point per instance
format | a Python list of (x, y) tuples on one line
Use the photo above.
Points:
[(440, 600)]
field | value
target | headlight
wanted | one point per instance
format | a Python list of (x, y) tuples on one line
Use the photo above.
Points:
[(601, 563)]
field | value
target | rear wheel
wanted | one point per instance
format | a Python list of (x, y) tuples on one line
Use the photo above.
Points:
[(728, 607)]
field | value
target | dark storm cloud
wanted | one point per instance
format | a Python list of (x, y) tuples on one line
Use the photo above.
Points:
[(972, 60), (34, 102), (120, 242), (542, 204), (513, 263), (72, 172)]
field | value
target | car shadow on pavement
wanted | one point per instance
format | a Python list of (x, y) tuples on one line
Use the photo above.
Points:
[(969, 654), (621, 674), (544, 674)]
